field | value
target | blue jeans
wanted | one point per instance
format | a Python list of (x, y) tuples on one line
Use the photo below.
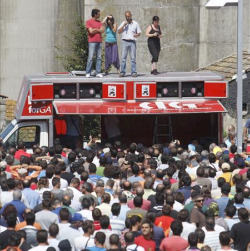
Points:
[(131, 48), (94, 48)]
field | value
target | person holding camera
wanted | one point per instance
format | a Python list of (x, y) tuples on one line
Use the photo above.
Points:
[(130, 31), (153, 33)]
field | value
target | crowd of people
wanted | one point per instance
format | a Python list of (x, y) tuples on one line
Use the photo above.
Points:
[(129, 31), (118, 197)]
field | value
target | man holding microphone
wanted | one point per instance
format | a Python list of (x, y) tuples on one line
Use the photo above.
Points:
[(130, 30)]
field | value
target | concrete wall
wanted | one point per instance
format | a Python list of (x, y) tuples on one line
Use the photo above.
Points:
[(29, 32), (218, 32)]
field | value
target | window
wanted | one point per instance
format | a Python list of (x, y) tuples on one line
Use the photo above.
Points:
[(29, 134)]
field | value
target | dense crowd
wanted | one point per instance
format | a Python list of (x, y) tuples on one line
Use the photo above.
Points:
[(118, 197)]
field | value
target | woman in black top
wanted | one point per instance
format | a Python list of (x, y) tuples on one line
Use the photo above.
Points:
[(153, 33)]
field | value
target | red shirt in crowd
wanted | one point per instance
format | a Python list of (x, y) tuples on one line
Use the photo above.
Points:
[(164, 222), (148, 245), (21, 152)]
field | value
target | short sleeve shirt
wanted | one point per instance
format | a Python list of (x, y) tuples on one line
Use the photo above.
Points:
[(130, 30), (94, 24)]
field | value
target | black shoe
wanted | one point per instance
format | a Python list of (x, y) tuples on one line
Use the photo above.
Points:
[(155, 72), (152, 72)]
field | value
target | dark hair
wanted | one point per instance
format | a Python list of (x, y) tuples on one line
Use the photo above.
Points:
[(11, 183), (243, 214), (42, 236), (201, 235), (159, 198), (86, 203), (104, 221), (226, 188), (114, 239), (30, 218), (134, 219), (115, 209), (209, 223), (11, 219), (86, 225), (92, 168), (53, 230), (100, 237), (166, 210), (106, 198), (224, 238), (193, 239), (183, 215), (123, 198), (138, 201), (129, 237), (55, 181), (155, 18), (176, 227), (221, 181), (64, 214), (112, 20), (46, 204), (238, 198), (96, 214)]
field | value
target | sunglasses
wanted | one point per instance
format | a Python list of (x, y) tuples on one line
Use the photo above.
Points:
[(199, 201)]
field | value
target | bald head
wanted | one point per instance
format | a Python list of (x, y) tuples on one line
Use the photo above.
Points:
[(139, 191)]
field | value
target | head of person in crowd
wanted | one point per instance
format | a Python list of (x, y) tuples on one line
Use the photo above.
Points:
[(114, 241), (42, 237), (86, 203), (147, 229), (30, 218), (66, 200), (104, 222), (198, 200), (56, 183), (179, 197), (88, 227), (193, 240), (243, 214), (183, 215), (115, 209), (201, 235), (226, 189), (166, 210), (53, 230), (221, 181), (129, 238), (138, 201), (17, 195), (123, 199), (225, 240), (159, 199), (86, 188), (206, 248), (64, 215), (46, 204), (135, 222), (149, 182), (209, 223), (176, 227), (99, 239)]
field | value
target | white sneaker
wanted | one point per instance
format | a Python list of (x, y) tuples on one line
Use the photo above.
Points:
[(99, 75), (87, 75)]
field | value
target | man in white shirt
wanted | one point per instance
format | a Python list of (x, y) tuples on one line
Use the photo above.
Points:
[(86, 212), (130, 31), (86, 240), (42, 239)]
